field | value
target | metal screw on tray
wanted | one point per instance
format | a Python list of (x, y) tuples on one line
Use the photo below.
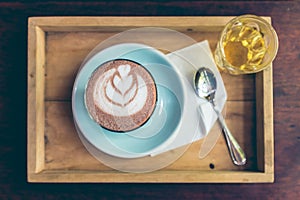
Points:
[(205, 85)]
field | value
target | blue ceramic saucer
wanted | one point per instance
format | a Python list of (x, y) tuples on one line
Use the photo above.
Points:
[(160, 130)]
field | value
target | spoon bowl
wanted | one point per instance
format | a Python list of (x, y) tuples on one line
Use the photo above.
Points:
[(205, 85)]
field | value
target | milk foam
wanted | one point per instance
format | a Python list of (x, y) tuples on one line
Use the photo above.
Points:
[(120, 92)]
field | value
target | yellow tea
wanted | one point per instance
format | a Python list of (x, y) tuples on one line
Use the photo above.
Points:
[(248, 44), (244, 47)]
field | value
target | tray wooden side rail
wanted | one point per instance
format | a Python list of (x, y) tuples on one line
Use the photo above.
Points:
[(56, 49)]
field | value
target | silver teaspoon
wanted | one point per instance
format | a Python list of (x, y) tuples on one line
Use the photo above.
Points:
[(205, 85)]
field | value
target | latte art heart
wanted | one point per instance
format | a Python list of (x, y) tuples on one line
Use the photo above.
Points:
[(122, 88), (121, 93)]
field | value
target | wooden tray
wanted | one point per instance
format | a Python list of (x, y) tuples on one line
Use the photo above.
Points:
[(56, 48)]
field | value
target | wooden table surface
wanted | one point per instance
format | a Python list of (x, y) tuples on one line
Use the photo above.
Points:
[(13, 72)]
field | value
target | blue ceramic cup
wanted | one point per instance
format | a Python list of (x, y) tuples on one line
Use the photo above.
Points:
[(160, 129)]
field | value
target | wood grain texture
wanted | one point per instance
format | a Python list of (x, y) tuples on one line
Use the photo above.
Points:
[(63, 62), (61, 50), (60, 130), (286, 73)]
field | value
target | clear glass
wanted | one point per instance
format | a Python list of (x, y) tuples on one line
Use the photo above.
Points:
[(248, 44)]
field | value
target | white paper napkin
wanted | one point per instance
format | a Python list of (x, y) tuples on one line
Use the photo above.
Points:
[(198, 115)]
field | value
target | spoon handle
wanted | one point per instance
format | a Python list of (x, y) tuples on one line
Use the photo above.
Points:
[(236, 152)]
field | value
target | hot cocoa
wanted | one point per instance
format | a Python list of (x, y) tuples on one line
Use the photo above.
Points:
[(121, 95)]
